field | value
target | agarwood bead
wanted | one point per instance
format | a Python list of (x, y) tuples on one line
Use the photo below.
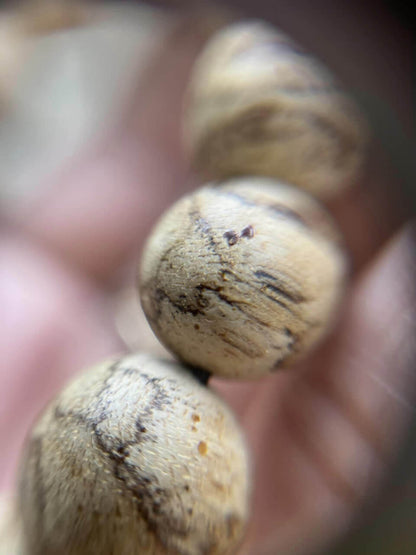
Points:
[(243, 277), (258, 105), (10, 527), (135, 457)]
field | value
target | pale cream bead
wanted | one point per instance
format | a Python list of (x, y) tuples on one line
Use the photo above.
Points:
[(135, 457), (242, 278), (10, 527), (258, 105)]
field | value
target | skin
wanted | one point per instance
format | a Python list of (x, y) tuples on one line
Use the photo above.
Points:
[(242, 277), (322, 437)]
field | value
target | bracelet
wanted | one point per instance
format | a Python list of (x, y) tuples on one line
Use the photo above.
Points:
[(239, 278)]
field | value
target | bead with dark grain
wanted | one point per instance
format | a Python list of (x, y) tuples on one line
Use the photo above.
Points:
[(135, 457), (258, 105), (243, 277)]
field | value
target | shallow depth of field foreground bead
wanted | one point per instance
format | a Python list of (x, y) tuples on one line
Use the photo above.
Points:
[(135, 457), (258, 105), (243, 277)]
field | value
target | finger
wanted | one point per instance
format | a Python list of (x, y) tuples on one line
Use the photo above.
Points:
[(351, 428), (314, 459), (370, 213), (52, 323), (366, 371)]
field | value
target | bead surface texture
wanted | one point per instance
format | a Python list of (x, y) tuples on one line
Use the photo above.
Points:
[(135, 457), (258, 105), (243, 277)]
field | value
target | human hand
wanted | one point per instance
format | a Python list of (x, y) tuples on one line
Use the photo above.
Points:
[(321, 434)]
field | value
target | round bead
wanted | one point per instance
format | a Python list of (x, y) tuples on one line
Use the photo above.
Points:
[(258, 105), (134, 457), (243, 277)]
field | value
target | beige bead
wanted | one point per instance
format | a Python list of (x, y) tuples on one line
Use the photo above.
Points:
[(10, 527), (242, 278), (257, 105), (135, 457)]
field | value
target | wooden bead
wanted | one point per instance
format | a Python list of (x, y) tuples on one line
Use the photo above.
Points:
[(10, 527), (258, 105), (135, 457), (243, 277)]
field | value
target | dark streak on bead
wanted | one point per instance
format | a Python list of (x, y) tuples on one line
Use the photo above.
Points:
[(255, 95), (225, 273), (156, 296), (345, 143), (242, 347), (278, 287), (247, 231), (275, 208), (291, 347), (277, 301), (251, 123), (278, 290), (231, 237), (204, 227), (254, 125), (232, 302), (148, 495), (289, 213), (184, 307)]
